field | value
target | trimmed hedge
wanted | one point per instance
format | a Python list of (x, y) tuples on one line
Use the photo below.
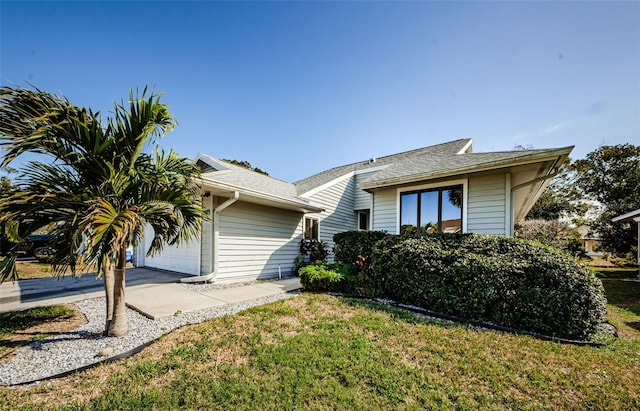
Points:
[(349, 245), (505, 281)]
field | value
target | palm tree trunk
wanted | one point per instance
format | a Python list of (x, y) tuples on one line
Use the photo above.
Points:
[(107, 275), (118, 326)]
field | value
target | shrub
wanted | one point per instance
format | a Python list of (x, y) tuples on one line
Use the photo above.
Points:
[(552, 233), (510, 282), (350, 245), (320, 276), (314, 250)]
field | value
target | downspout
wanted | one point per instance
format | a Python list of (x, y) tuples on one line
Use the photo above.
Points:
[(216, 236), (526, 183)]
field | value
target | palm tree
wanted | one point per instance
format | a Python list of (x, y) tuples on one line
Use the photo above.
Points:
[(97, 186)]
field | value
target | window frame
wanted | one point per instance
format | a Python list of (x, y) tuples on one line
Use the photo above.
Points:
[(367, 215), (304, 228), (434, 186)]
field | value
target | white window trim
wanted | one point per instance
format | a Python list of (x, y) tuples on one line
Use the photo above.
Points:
[(304, 225), (368, 213), (465, 198)]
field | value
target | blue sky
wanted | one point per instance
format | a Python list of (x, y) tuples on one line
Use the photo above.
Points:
[(299, 87)]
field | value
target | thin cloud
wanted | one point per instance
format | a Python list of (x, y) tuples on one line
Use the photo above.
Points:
[(554, 128)]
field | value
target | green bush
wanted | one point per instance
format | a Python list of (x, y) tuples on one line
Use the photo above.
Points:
[(349, 245), (508, 282), (320, 276)]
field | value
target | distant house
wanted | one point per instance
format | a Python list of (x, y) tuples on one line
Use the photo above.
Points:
[(591, 240), (633, 216), (258, 221)]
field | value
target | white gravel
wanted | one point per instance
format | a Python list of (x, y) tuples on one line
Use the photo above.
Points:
[(75, 349)]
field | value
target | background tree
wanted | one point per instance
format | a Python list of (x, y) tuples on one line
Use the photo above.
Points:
[(553, 233), (247, 165), (611, 175), (99, 189), (560, 198)]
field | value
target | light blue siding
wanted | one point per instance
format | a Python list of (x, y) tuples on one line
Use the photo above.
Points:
[(362, 198), (257, 241), (338, 200), (385, 211), (486, 205)]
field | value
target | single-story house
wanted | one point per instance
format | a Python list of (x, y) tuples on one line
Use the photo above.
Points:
[(591, 240), (258, 222), (633, 216)]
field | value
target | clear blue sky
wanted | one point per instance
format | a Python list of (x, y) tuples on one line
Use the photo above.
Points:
[(299, 87)]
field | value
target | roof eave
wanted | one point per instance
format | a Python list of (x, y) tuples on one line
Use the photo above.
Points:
[(631, 216), (537, 157), (298, 205)]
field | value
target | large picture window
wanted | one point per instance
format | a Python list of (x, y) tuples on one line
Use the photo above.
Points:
[(431, 211)]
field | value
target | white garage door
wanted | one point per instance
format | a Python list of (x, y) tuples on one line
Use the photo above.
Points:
[(182, 259)]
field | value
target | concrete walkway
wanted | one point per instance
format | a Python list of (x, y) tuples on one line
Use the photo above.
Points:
[(154, 293)]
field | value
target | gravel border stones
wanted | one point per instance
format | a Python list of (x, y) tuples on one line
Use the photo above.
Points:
[(86, 345)]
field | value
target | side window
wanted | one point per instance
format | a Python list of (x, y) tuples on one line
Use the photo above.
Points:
[(363, 220), (311, 228)]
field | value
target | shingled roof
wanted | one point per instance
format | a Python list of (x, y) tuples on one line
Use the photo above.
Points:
[(316, 180), (224, 174), (429, 166)]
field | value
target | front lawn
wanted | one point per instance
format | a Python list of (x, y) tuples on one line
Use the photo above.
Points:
[(323, 352)]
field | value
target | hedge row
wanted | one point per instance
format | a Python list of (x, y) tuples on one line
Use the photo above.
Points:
[(506, 281)]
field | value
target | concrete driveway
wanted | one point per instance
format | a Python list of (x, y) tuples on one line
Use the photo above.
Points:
[(154, 293)]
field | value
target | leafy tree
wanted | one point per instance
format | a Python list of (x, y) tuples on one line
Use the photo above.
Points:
[(560, 198), (611, 175), (99, 189), (554, 234), (246, 165)]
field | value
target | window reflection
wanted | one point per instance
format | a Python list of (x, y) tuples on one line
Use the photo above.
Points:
[(435, 210)]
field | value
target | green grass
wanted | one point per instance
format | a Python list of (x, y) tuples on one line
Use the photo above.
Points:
[(323, 352), (618, 273), (13, 321)]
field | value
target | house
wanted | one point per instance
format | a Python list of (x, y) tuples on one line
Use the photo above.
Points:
[(633, 216), (258, 221), (591, 240)]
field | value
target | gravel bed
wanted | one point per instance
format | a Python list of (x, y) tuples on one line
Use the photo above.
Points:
[(81, 347), (204, 287)]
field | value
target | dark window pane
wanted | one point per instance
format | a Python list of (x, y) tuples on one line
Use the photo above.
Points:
[(310, 229), (408, 212), (452, 210), (363, 221), (429, 211)]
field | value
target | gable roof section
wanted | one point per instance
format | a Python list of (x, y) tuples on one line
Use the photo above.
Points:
[(252, 185), (451, 148), (428, 166), (628, 217)]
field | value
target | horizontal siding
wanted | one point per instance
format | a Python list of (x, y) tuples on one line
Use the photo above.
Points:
[(338, 201), (362, 198), (206, 248), (486, 205), (384, 211), (257, 242), (184, 258)]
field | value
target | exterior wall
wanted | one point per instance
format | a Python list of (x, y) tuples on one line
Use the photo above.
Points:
[(385, 211), (257, 241), (338, 200), (362, 199), (182, 259), (487, 205), (206, 239), (485, 209)]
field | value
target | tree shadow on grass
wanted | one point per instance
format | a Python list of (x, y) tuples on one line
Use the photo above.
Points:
[(398, 313), (623, 294), (634, 324)]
